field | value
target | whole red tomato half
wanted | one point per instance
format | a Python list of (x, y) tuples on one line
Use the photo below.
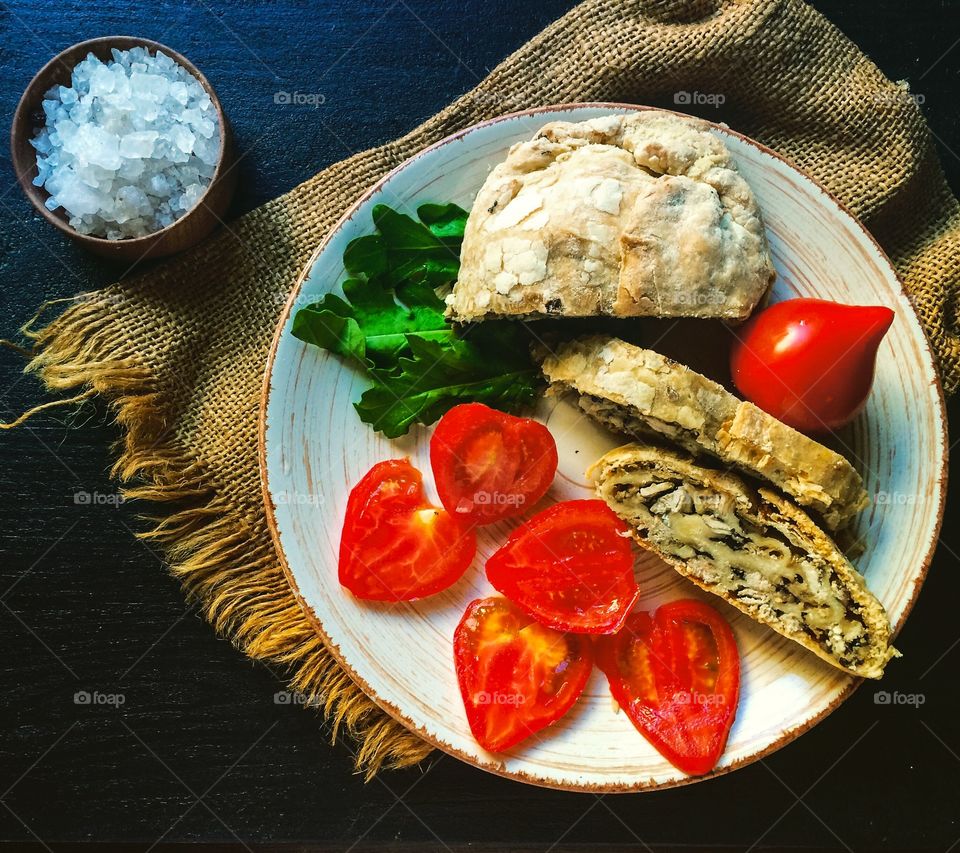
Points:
[(516, 676), (489, 465), (570, 567), (676, 674), (395, 546), (809, 362)]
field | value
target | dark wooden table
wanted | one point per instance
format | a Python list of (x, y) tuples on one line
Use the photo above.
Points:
[(199, 750)]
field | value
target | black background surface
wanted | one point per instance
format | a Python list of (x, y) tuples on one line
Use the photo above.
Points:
[(199, 750)]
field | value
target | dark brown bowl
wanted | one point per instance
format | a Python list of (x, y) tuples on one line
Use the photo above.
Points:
[(191, 228)]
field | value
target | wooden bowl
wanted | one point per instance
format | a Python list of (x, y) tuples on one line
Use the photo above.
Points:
[(191, 228), (313, 449)]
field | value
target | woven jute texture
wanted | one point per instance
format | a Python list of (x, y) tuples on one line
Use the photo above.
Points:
[(179, 352)]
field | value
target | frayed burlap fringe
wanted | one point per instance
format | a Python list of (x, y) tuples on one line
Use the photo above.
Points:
[(220, 557)]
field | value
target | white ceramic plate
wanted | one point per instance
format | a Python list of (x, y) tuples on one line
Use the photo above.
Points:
[(314, 449)]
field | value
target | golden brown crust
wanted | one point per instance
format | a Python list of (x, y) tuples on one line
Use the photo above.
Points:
[(751, 547), (636, 215), (813, 474), (639, 392)]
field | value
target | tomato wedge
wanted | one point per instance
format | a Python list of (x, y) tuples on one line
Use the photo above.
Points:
[(395, 546), (489, 465), (516, 676), (676, 674), (570, 567)]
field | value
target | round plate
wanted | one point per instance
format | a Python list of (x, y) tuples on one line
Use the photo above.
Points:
[(313, 449)]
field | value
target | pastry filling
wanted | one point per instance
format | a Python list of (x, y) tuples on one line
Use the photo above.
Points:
[(628, 421), (750, 557)]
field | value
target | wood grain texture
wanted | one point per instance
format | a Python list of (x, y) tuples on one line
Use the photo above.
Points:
[(100, 600)]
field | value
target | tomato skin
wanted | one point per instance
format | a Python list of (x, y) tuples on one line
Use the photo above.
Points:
[(395, 546), (515, 675), (570, 567), (676, 674), (489, 465), (809, 362)]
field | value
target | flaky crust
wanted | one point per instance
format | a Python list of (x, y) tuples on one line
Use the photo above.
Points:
[(753, 548), (641, 393), (636, 215)]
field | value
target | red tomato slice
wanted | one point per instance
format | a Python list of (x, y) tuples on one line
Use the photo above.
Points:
[(570, 567), (516, 676), (489, 465), (676, 674), (395, 546)]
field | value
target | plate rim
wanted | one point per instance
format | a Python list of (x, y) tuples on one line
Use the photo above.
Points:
[(389, 708)]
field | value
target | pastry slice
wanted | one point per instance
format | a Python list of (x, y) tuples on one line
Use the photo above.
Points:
[(751, 547), (644, 394), (632, 215)]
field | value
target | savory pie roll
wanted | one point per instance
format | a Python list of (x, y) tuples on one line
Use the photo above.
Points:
[(644, 394), (753, 548), (635, 215)]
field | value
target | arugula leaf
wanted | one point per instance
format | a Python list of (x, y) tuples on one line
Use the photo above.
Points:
[(372, 326), (365, 256), (413, 250), (446, 221), (391, 321), (435, 378)]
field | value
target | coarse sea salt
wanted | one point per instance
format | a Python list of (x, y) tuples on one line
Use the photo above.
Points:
[(129, 147)]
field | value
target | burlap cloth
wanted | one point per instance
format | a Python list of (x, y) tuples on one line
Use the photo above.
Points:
[(179, 352)]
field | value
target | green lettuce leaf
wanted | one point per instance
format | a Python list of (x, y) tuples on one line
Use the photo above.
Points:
[(390, 321), (434, 378), (372, 323)]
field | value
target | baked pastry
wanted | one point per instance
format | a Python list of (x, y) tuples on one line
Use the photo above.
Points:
[(644, 394), (753, 548), (628, 215)]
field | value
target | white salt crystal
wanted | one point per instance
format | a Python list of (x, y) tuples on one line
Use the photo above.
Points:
[(131, 170), (42, 142), (138, 144), (130, 202), (207, 149), (182, 138), (98, 178), (95, 146), (146, 108), (191, 195), (76, 196), (180, 93), (129, 146), (159, 185), (199, 122), (80, 113), (101, 81), (64, 128), (121, 84)]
